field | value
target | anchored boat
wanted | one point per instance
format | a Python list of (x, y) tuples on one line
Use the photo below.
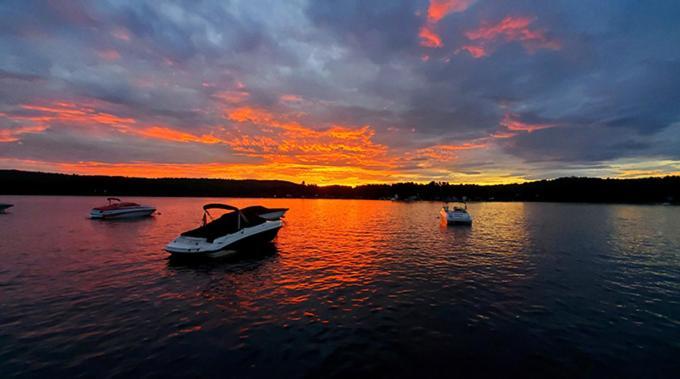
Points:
[(117, 209), (456, 215), (230, 232), (4, 207)]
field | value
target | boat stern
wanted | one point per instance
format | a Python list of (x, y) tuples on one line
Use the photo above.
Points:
[(456, 217), (192, 247), (459, 219), (187, 245)]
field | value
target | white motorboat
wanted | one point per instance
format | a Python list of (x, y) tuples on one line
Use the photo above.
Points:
[(4, 207), (228, 233), (117, 209), (456, 215)]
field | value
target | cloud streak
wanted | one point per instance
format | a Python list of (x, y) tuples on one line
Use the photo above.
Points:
[(509, 29)]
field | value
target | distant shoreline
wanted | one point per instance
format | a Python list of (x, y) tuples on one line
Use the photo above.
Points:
[(675, 204), (665, 190)]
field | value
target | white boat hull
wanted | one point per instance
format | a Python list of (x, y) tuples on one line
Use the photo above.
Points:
[(122, 213), (456, 218), (186, 246)]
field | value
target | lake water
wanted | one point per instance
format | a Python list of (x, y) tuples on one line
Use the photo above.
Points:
[(348, 288)]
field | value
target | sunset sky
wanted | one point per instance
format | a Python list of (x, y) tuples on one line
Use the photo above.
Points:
[(342, 92)]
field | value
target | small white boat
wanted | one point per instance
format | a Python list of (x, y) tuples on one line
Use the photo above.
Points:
[(4, 207), (456, 215), (228, 233), (117, 209)]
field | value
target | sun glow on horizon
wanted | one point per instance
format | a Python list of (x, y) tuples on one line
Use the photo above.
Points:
[(296, 173)]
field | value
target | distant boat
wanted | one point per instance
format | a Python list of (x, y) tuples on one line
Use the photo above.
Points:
[(4, 207), (228, 233), (117, 209), (456, 215)]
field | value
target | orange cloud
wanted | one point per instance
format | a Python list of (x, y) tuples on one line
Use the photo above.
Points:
[(429, 38), (277, 144), (12, 135), (432, 155), (440, 8), (511, 123), (474, 50), (163, 133), (72, 113), (290, 98), (42, 116), (503, 135), (509, 29), (35, 118), (437, 10), (282, 138), (232, 97)]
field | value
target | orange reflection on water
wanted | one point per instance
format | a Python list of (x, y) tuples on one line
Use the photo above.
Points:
[(344, 246)]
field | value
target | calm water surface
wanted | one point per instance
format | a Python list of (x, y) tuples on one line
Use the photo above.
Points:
[(348, 287)]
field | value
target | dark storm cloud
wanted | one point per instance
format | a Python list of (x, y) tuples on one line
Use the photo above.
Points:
[(379, 30)]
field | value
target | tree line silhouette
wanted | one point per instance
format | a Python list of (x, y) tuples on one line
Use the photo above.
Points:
[(571, 189)]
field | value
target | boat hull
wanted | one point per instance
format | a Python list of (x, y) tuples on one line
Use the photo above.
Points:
[(191, 247), (122, 213), (4, 207), (456, 218)]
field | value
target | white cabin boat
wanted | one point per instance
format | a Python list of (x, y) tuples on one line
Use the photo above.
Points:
[(456, 215), (117, 209)]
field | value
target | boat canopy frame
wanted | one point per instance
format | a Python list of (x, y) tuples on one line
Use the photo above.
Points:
[(220, 206), (227, 207)]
